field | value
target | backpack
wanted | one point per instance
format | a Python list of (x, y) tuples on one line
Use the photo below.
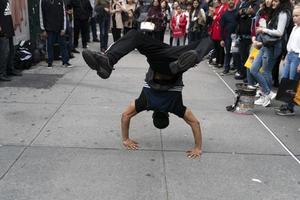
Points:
[(23, 55)]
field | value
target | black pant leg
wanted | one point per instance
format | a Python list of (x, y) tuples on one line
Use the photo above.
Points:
[(84, 26), (204, 46), (11, 56), (76, 32), (159, 55), (244, 47)]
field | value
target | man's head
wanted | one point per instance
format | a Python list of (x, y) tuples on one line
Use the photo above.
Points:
[(160, 119)]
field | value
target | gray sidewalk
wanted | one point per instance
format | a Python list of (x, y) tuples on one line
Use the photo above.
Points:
[(60, 140)]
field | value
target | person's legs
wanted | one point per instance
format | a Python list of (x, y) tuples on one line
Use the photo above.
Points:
[(84, 26), (287, 65), (295, 61), (76, 32), (11, 71), (254, 70), (4, 49), (244, 47), (94, 28), (227, 54), (63, 48), (159, 55), (50, 41)]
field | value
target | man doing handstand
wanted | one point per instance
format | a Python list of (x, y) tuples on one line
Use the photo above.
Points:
[(162, 91)]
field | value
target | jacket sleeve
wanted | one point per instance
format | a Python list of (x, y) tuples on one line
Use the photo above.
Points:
[(282, 22), (41, 16)]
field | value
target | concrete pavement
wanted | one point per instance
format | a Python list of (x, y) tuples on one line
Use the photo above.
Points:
[(61, 140)]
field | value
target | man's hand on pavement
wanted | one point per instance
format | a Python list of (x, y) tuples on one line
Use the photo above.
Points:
[(131, 144), (194, 153)]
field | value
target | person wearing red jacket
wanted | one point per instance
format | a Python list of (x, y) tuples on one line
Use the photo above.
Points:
[(216, 31), (179, 23)]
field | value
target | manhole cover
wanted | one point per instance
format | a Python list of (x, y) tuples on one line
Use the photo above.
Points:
[(38, 81)]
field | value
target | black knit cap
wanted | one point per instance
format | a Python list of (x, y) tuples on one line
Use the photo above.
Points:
[(160, 119)]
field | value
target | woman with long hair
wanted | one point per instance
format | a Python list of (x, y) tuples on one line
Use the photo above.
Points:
[(166, 18), (216, 31), (197, 22), (130, 7), (261, 19), (155, 16), (116, 10), (276, 28)]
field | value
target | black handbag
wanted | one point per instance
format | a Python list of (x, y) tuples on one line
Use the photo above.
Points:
[(268, 40), (287, 90)]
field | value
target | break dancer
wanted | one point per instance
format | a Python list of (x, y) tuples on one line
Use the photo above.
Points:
[(162, 91)]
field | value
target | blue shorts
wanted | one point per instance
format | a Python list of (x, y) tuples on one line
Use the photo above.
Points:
[(164, 101)]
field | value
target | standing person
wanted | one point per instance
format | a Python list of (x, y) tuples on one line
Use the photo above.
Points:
[(140, 13), (93, 23), (216, 31), (291, 69), (82, 10), (179, 23), (261, 19), (275, 28), (130, 8), (165, 9), (246, 11), (173, 13), (54, 30), (228, 27), (155, 16), (102, 9), (197, 22), (116, 10), (6, 43)]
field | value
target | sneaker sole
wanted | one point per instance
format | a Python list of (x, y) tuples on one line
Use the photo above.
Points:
[(185, 61), (94, 65), (287, 114), (89, 59)]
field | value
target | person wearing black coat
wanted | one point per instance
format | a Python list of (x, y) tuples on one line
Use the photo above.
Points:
[(83, 11)]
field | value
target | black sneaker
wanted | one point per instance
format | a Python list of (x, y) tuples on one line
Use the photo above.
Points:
[(286, 112), (99, 62), (281, 108), (225, 72), (184, 62), (75, 51)]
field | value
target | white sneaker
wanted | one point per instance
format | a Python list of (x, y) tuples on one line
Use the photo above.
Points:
[(267, 101), (259, 93), (272, 95), (251, 87), (260, 101)]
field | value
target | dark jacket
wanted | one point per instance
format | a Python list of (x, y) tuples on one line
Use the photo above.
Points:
[(52, 15), (244, 19), (6, 22), (82, 9), (162, 85)]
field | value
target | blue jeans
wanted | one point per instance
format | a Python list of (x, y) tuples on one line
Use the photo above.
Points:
[(265, 78), (51, 39), (104, 27), (290, 66)]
